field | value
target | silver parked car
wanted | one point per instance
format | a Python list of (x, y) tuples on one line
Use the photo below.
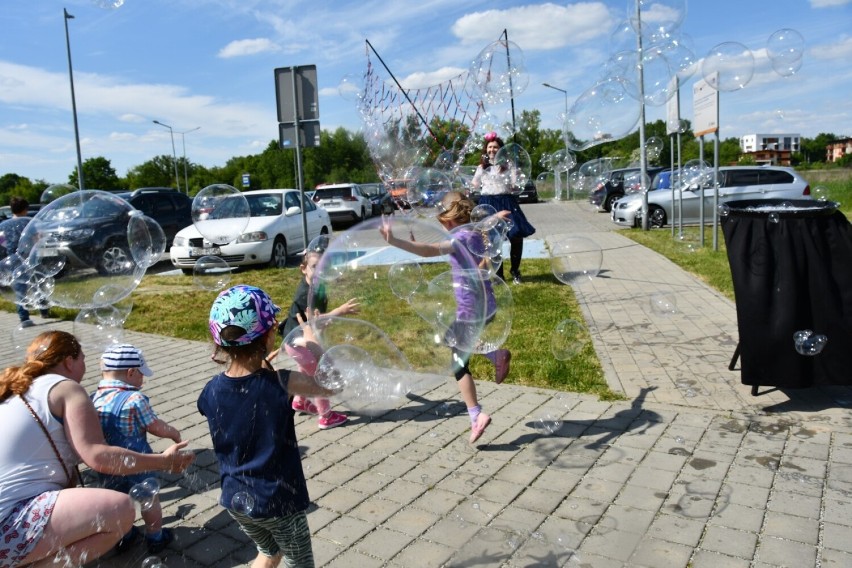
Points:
[(735, 183)]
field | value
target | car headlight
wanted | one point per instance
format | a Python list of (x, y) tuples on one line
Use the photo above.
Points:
[(255, 237), (180, 241), (77, 234)]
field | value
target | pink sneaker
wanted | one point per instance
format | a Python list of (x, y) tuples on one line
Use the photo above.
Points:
[(502, 360), (478, 427), (305, 406), (332, 419)]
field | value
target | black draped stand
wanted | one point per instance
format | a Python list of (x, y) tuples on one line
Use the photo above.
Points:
[(791, 262)]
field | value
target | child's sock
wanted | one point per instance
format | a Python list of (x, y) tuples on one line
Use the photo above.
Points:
[(474, 411), (154, 537)]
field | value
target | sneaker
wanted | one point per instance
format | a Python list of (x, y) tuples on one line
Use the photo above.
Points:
[(305, 406), (45, 313), (128, 540), (478, 427), (332, 419), (516, 277), (156, 546), (27, 323), (502, 360)]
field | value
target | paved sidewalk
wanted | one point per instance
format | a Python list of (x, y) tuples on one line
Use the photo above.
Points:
[(691, 470)]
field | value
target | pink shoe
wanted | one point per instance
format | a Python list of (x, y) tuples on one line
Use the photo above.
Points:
[(478, 427), (332, 419), (305, 406), (502, 360)]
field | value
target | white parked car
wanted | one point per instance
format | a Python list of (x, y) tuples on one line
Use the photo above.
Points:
[(343, 201), (274, 231), (735, 183)]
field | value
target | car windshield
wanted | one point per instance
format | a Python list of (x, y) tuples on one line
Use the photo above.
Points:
[(332, 192), (267, 205)]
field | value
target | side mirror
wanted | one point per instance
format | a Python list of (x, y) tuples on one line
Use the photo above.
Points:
[(294, 210)]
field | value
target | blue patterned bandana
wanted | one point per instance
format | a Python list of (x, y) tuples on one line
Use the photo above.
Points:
[(243, 306)]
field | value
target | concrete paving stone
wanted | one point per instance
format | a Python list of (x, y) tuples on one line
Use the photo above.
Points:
[(612, 471), (648, 476), (424, 553), (831, 558), (375, 510), (368, 483), (412, 521), (540, 500), (780, 552), (709, 559), (437, 501), (383, 542), (617, 546), (677, 529), (840, 472), (706, 464), (689, 504), (808, 449), (666, 461), (452, 532), (640, 497), (394, 467), (792, 528), (836, 536), (355, 558), (628, 519), (519, 474), (653, 553), (340, 500), (745, 495), (325, 551), (211, 549), (507, 519), (729, 541), (319, 518), (803, 466), (791, 481), (795, 504), (427, 474), (345, 531), (735, 516), (402, 491), (540, 551), (337, 474), (596, 490), (580, 509), (750, 473)]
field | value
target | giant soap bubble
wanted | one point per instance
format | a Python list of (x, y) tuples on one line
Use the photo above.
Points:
[(515, 166), (728, 66), (603, 113), (499, 72), (220, 213), (84, 240), (358, 264), (574, 260)]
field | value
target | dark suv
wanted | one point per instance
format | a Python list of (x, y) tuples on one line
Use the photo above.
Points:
[(95, 235), (611, 187)]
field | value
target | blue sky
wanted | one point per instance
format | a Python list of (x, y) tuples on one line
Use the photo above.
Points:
[(209, 63)]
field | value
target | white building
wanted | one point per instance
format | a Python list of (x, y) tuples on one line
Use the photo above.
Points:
[(758, 142)]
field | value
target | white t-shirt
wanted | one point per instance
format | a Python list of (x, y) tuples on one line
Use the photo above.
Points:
[(28, 465), (492, 181)]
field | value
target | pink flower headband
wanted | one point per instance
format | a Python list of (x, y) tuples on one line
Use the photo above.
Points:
[(491, 136)]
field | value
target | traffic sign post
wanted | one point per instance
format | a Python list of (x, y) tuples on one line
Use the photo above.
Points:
[(296, 95)]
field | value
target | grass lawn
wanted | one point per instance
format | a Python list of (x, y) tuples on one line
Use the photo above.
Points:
[(173, 306)]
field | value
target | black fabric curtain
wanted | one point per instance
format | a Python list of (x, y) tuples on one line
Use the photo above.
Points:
[(791, 262)]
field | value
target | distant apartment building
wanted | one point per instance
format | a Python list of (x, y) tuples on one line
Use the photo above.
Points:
[(771, 149), (837, 149)]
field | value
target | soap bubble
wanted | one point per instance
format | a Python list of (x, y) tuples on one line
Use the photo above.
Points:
[(808, 343), (405, 278), (653, 148), (129, 461), (482, 212), (211, 273), (145, 494), (426, 189), (515, 164), (548, 424), (785, 46), (53, 192), (220, 213), (357, 263), (562, 161), (724, 210), (574, 260), (568, 339), (242, 503), (86, 235), (96, 335), (499, 72), (498, 318), (351, 88), (656, 16), (146, 238), (603, 113), (734, 64), (820, 193), (663, 304), (773, 217), (23, 336), (109, 4)]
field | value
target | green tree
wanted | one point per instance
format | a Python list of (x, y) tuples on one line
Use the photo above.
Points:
[(156, 172), (98, 173)]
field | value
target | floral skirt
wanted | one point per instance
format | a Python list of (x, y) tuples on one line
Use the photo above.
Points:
[(506, 202), (23, 527)]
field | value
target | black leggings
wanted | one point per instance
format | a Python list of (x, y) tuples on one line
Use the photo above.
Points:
[(516, 251)]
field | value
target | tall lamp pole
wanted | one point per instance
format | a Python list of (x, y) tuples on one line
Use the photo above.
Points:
[(73, 102), (558, 186), (174, 152), (183, 142), (563, 91)]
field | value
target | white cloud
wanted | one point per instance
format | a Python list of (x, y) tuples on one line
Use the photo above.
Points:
[(245, 47), (840, 50), (829, 3), (422, 79), (541, 26)]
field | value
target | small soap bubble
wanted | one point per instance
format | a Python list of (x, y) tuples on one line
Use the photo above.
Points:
[(663, 304), (808, 343), (820, 193), (548, 424), (724, 210), (151, 562), (242, 503), (129, 461), (143, 494), (679, 439), (773, 217), (475, 506)]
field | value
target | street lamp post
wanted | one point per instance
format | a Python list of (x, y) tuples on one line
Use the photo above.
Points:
[(73, 102), (174, 152), (563, 91), (183, 142)]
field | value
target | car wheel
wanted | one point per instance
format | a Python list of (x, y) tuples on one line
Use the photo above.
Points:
[(363, 214), (114, 260), (656, 216), (278, 259), (324, 231), (610, 199), (188, 271)]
